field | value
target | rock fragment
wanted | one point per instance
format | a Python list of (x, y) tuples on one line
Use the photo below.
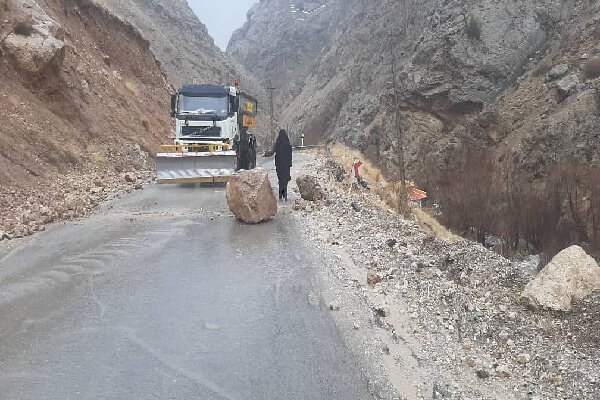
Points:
[(557, 72), (523, 359), (373, 277), (482, 374), (309, 188), (566, 86), (502, 371)]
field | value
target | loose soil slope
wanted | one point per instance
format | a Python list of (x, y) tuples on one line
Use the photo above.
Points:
[(69, 131)]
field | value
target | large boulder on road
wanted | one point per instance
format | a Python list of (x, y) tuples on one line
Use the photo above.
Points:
[(572, 275), (250, 196), (309, 188)]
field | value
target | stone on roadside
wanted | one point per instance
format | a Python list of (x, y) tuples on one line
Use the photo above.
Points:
[(482, 374), (3, 235), (557, 381), (309, 188), (571, 276), (502, 371), (250, 196), (523, 359), (334, 306), (382, 310), (373, 278)]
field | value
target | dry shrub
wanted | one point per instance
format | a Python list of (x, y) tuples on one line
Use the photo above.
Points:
[(23, 28), (431, 225), (480, 198), (591, 69)]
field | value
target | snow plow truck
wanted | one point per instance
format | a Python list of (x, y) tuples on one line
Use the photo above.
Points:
[(212, 138)]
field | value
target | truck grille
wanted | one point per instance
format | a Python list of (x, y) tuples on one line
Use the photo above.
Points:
[(201, 131)]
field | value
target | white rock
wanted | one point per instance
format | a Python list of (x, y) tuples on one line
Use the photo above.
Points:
[(502, 371), (567, 85), (557, 72), (523, 359), (571, 276), (503, 335)]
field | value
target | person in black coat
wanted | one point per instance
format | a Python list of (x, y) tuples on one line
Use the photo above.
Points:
[(283, 162)]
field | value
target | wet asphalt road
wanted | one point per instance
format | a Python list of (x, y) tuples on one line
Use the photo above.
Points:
[(163, 295)]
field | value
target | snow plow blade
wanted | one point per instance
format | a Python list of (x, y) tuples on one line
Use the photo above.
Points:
[(199, 167)]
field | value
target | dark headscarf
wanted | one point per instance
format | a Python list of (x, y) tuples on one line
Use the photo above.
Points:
[(283, 151)]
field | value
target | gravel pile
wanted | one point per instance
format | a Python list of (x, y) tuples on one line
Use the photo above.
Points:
[(457, 306), (24, 211)]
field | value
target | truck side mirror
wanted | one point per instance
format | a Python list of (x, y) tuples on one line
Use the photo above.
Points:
[(173, 105)]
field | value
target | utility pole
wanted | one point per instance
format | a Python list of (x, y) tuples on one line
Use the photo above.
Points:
[(398, 125), (270, 88)]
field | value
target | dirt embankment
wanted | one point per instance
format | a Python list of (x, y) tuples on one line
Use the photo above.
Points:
[(83, 103)]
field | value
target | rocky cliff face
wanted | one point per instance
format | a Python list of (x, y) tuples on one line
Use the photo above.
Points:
[(181, 42), (462, 67)]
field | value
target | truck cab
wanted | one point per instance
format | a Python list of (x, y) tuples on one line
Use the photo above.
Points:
[(205, 114), (212, 138)]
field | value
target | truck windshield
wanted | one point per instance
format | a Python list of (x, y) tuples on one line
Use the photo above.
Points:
[(208, 105)]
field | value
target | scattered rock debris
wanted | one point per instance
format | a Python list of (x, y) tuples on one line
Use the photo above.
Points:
[(455, 309), (24, 212)]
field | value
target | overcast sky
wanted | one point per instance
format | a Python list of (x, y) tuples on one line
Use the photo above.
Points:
[(222, 17)]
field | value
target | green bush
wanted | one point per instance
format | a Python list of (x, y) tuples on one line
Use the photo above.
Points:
[(473, 28)]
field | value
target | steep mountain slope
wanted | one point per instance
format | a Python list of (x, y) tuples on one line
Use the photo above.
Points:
[(83, 101), (331, 63), (181, 42), (499, 102)]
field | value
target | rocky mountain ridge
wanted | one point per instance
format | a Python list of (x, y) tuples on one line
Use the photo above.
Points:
[(181, 42), (459, 64)]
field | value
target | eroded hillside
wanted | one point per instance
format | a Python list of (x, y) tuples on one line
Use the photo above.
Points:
[(83, 102)]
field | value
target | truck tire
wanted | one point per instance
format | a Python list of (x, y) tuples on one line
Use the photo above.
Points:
[(246, 152)]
